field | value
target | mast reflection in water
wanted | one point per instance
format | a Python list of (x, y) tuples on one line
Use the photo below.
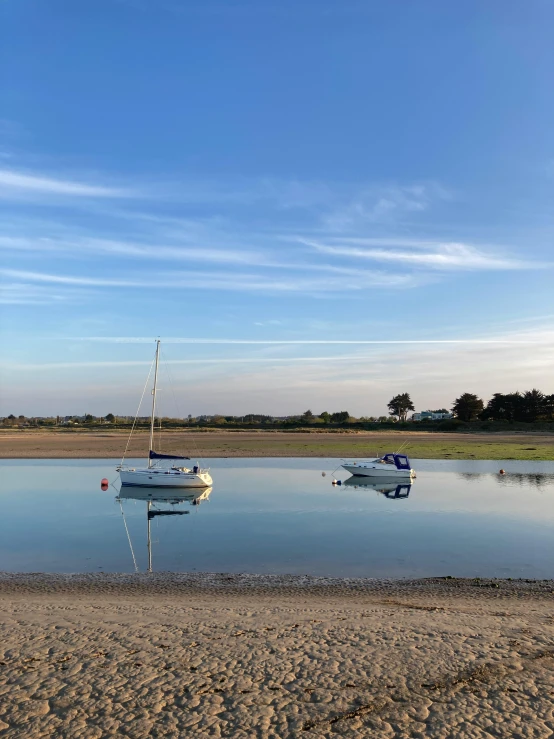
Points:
[(154, 499)]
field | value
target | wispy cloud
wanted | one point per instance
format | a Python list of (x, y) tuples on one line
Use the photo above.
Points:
[(198, 280), (71, 280), (383, 204), (177, 362), (237, 240), (337, 205), (110, 247), (17, 183), (440, 256), (21, 293), (509, 339), (81, 246)]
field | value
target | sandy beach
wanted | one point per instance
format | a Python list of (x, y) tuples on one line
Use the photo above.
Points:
[(251, 656), (423, 445)]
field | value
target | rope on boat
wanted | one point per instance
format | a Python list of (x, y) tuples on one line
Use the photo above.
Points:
[(138, 411), (336, 468)]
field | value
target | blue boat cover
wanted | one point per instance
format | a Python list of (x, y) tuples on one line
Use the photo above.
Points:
[(400, 460), (156, 455)]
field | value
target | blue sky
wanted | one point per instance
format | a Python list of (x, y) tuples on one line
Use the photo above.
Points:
[(306, 172)]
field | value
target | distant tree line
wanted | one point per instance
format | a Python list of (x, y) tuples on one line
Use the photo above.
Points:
[(217, 420), (521, 407), (528, 407)]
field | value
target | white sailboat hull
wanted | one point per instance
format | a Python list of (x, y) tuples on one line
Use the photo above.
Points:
[(152, 478)]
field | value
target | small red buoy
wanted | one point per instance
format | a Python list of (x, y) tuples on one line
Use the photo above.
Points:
[(502, 472), (104, 483)]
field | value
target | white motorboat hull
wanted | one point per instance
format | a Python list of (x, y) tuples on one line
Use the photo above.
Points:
[(152, 478), (371, 469)]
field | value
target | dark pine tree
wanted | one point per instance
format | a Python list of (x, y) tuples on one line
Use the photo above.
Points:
[(468, 407), (400, 405)]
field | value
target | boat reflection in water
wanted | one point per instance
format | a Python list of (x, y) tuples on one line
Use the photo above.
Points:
[(155, 498), (387, 487)]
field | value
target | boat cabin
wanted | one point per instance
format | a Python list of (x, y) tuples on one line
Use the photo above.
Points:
[(400, 461)]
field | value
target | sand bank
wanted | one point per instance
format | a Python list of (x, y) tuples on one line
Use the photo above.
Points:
[(420, 444), (246, 656)]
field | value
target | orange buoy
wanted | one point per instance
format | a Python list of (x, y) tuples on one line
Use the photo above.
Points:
[(104, 483), (502, 472)]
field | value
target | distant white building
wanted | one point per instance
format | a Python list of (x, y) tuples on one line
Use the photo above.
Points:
[(430, 416)]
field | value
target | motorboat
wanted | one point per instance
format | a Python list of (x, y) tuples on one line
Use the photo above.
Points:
[(159, 472), (390, 465)]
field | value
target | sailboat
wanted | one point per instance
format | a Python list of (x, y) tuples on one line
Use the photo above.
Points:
[(156, 475)]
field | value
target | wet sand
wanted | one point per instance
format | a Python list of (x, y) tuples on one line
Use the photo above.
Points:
[(423, 445), (251, 656)]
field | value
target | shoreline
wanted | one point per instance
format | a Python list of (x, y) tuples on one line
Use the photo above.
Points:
[(227, 584), (537, 446), (220, 655)]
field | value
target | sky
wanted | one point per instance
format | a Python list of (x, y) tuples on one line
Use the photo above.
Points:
[(313, 204)]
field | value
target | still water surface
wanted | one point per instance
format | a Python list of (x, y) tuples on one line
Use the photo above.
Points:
[(281, 516)]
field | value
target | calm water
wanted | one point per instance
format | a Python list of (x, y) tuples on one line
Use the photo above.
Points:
[(282, 516)]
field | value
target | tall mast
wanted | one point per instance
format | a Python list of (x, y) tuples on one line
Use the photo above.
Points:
[(154, 401)]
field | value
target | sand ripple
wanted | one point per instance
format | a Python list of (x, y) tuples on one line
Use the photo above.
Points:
[(242, 656)]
